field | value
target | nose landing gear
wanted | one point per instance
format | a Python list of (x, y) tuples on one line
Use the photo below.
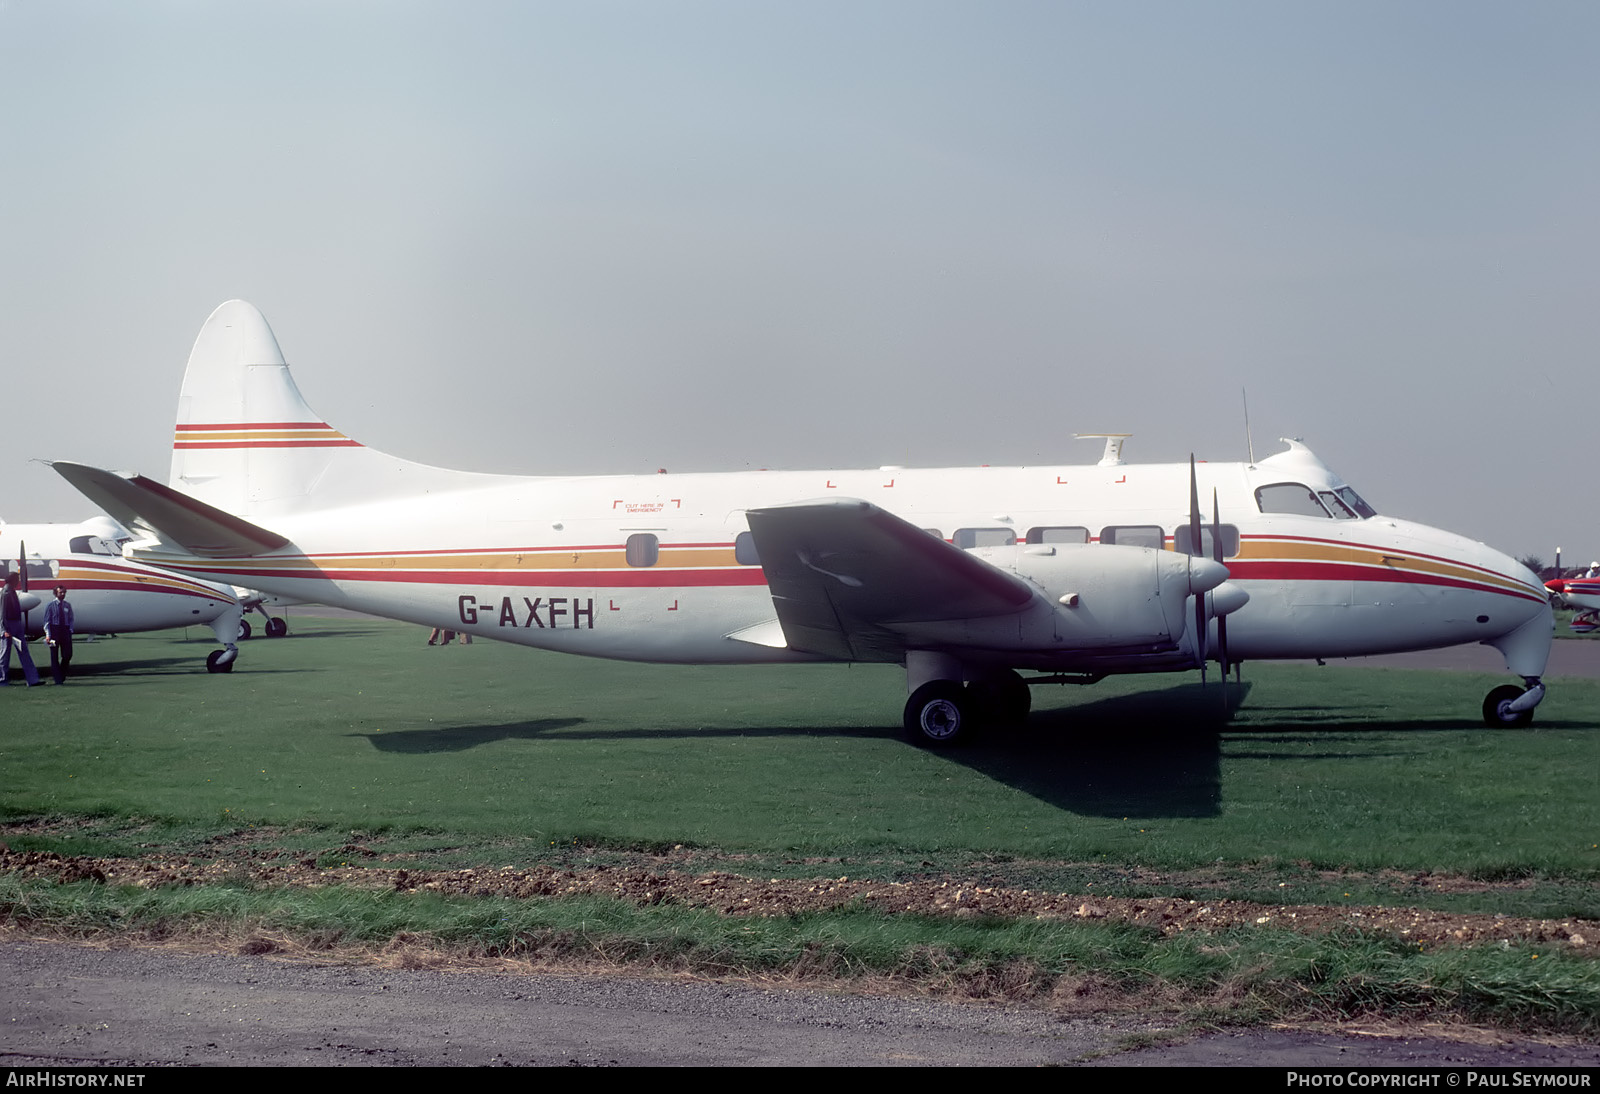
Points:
[(1509, 706)]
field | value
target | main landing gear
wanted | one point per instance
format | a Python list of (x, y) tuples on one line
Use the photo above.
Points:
[(945, 712), (276, 627), (1509, 706)]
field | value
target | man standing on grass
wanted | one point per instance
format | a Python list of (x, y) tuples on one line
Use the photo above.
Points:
[(14, 632), (58, 634)]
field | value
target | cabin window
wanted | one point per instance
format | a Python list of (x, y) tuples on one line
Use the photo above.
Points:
[(1289, 497), (1230, 540), (1134, 535), (744, 550), (934, 532), (36, 569), (983, 537), (1061, 534), (643, 549)]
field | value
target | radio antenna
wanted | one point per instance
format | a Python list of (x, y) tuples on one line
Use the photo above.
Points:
[(1250, 445)]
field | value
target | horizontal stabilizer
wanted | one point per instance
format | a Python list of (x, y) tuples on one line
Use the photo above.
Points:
[(844, 573), (201, 529)]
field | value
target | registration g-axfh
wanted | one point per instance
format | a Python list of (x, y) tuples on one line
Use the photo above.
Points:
[(969, 577)]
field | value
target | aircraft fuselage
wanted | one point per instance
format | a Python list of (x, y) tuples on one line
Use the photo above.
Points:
[(650, 568)]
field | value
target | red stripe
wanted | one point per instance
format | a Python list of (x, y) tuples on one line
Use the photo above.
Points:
[(342, 442), (1391, 551), (575, 548), (1334, 571), (138, 587), (136, 575), (591, 579)]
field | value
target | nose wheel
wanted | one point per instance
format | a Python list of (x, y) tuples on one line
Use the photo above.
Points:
[(1509, 707)]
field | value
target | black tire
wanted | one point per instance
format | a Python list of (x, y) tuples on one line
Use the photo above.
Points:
[(939, 714), (276, 627), (1002, 698), (1496, 718), (244, 629), (214, 662)]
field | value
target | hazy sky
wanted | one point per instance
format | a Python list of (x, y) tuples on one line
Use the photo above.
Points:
[(615, 236)]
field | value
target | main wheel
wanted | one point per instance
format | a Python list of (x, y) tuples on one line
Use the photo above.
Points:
[(939, 714), (244, 629), (276, 627), (1495, 714), (214, 662), (1002, 698)]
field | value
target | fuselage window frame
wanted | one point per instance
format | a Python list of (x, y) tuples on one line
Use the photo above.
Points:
[(1057, 533), (1230, 540), (968, 538), (643, 549), (1134, 535)]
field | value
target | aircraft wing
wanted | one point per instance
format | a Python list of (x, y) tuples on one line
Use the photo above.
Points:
[(844, 573), (201, 529)]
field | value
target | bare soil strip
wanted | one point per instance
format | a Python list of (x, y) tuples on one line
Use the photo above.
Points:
[(735, 894)]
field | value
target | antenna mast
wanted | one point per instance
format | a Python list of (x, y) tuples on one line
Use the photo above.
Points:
[(1250, 445)]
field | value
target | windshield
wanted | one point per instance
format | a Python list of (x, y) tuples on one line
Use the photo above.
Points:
[(1355, 501), (1299, 499)]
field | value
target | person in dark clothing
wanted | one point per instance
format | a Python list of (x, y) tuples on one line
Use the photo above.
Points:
[(14, 633), (58, 634)]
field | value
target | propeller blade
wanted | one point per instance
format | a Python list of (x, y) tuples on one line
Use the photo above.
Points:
[(1201, 653), (1216, 556)]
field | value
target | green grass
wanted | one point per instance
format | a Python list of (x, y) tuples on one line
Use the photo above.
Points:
[(1231, 976), (1324, 785), (358, 725)]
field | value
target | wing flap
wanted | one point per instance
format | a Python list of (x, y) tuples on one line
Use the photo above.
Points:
[(845, 574)]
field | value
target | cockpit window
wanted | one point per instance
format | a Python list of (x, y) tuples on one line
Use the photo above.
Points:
[(1289, 497), (1339, 509), (1355, 501), (92, 545)]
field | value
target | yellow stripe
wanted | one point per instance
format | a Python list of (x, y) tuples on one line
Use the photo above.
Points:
[(257, 435), (128, 577), (530, 561), (1258, 550)]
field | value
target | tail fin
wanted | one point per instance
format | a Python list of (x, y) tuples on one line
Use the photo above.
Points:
[(247, 443)]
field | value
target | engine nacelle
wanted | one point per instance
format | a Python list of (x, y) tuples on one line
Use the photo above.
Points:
[(1103, 598)]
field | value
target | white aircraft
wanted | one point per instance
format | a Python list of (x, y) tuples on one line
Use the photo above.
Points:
[(1072, 572), (110, 594)]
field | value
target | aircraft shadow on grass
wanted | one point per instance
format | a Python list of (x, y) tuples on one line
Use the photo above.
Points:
[(461, 738), (360, 633), (84, 669), (1151, 754)]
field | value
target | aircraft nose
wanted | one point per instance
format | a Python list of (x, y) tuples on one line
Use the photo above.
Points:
[(1529, 621), (1205, 575)]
